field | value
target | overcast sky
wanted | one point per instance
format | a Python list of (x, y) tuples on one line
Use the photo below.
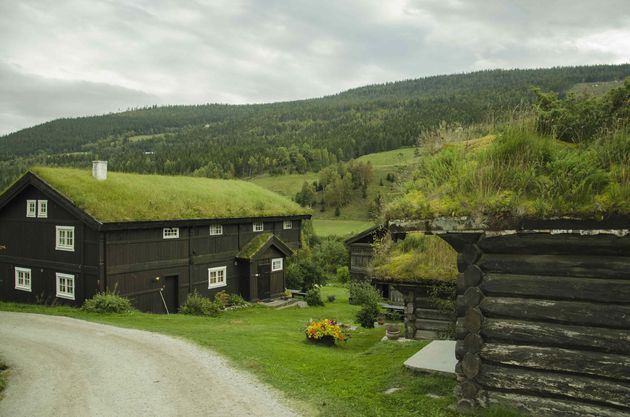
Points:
[(64, 58)]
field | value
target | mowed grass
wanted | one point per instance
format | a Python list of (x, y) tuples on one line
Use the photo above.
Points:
[(324, 228), (346, 380)]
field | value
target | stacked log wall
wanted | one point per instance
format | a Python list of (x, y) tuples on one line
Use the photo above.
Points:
[(427, 317), (544, 322)]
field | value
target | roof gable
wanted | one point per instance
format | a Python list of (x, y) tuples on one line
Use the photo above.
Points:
[(260, 244), (134, 198)]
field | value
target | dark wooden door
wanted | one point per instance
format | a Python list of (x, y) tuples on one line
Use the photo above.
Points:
[(171, 297), (264, 281)]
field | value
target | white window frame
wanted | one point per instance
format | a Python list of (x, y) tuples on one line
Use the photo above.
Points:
[(274, 264), (170, 233), (63, 245), (26, 277), (258, 226), (215, 229), (217, 284), (31, 204), (42, 209), (287, 224), (65, 294)]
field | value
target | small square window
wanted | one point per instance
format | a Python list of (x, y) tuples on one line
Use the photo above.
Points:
[(217, 277), (276, 264), (22, 279), (287, 224), (65, 238), (170, 232), (258, 226), (31, 208), (42, 208), (216, 229), (65, 286)]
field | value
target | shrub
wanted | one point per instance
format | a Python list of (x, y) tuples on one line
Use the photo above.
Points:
[(332, 298), (222, 299), (107, 302), (368, 314), (363, 293), (236, 300), (303, 272), (313, 298), (198, 305), (343, 274), (331, 254)]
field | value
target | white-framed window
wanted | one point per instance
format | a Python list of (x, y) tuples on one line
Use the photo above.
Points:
[(276, 264), (31, 208), (65, 238), (287, 224), (170, 232), (22, 279), (42, 208), (258, 226), (216, 229), (65, 286), (217, 277)]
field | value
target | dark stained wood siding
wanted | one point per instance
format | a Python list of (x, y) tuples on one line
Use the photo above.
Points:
[(30, 243), (544, 323)]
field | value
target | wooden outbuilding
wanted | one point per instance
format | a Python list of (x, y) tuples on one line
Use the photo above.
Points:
[(66, 235), (543, 313)]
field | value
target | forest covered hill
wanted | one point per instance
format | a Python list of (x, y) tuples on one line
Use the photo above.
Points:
[(217, 140)]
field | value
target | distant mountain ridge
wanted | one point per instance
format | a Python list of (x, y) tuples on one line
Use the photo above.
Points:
[(220, 140)]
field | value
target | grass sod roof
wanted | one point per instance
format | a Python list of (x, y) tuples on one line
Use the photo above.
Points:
[(417, 258), (133, 197), (519, 174), (254, 245)]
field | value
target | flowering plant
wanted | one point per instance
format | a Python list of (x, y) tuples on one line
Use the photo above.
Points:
[(320, 329)]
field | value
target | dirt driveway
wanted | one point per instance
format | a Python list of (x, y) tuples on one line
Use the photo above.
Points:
[(66, 367)]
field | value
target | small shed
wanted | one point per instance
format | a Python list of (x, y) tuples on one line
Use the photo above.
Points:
[(361, 248)]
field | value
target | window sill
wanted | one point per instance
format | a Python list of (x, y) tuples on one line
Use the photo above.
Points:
[(24, 289), (211, 286), (65, 296), (65, 249)]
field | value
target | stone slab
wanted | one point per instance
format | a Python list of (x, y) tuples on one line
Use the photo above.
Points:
[(436, 357)]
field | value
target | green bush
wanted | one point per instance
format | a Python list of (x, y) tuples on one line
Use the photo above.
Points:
[(197, 305), (303, 272), (107, 302), (236, 300), (313, 297), (363, 293), (332, 298), (222, 299), (368, 314), (343, 274), (331, 254)]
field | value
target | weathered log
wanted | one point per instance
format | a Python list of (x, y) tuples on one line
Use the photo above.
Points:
[(471, 364), (473, 296), (460, 330), (426, 335), (438, 325), (558, 335), (473, 320), (550, 407), (472, 276), (561, 385), (571, 312), (460, 306), (558, 244), (433, 314), (473, 343), (568, 288), (460, 350), (469, 389), (468, 256), (574, 266), (557, 359), (460, 240)]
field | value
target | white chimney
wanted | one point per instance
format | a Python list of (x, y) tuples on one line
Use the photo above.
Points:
[(99, 170)]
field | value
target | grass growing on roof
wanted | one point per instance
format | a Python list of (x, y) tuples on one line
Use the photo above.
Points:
[(254, 245), (134, 197), (418, 257)]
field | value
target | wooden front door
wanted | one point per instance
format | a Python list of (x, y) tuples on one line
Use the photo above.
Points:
[(170, 293), (264, 281)]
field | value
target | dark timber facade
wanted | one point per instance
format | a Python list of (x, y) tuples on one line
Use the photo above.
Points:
[(52, 251)]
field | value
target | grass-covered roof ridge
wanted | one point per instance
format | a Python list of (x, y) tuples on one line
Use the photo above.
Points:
[(254, 245), (417, 258), (133, 197), (527, 172)]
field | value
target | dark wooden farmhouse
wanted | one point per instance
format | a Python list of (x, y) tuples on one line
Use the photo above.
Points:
[(543, 313), (66, 235), (361, 248)]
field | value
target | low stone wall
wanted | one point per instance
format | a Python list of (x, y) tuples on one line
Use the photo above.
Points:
[(427, 312), (544, 322)]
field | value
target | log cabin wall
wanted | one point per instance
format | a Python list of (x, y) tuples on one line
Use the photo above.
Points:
[(544, 322), (428, 315)]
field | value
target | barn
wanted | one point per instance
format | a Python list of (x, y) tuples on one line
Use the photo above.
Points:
[(66, 234)]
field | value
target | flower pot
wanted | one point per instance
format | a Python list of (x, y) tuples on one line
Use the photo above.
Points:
[(325, 340), (392, 333)]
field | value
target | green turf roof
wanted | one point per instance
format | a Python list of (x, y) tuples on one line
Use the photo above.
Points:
[(254, 245), (133, 197)]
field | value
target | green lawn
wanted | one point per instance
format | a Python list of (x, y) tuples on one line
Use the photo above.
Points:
[(345, 380), (325, 227)]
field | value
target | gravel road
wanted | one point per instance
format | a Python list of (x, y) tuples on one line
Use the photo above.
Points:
[(67, 367)]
